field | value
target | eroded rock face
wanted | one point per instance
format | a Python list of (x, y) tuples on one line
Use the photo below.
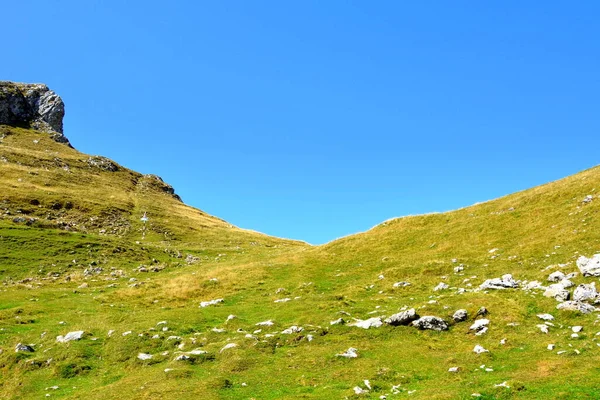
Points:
[(32, 106)]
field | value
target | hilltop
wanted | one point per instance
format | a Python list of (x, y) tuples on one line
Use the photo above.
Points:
[(97, 303)]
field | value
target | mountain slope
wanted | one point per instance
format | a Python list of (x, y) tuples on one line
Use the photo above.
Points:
[(77, 258)]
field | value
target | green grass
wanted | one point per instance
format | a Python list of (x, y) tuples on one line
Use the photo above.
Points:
[(92, 216)]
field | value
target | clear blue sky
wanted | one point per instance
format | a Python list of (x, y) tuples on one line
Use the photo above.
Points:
[(316, 119)]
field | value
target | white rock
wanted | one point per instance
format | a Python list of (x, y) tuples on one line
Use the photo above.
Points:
[(350, 353), (440, 286), (292, 329), (266, 323), (550, 347), (479, 324), (589, 266), (454, 369), (460, 315), (230, 317), (479, 349), (503, 384), (76, 335), (374, 322), (401, 284), (543, 328), (583, 308), (481, 331), (556, 276), (506, 282), (577, 328), (574, 335), (557, 291), (367, 384), (545, 317), (228, 346), (358, 390), (211, 302), (503, 341), (161, 323), (144, 356), (282, 300), (585, 292), (218, 330), (196, 352), (339, 321)]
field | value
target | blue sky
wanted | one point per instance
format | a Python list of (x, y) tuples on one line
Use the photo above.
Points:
[(313, 120)]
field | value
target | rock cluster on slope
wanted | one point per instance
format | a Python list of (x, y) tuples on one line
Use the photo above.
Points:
[(32, 106)]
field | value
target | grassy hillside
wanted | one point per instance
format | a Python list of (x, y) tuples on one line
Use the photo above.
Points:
[(65, 217)]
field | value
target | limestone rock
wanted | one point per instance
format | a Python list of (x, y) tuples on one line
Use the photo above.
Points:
[(480, 325), (32, 106), (589, 266), (75, 335), (576, 306), (557, 291), (460, 315), (350, 353), (556, 276), (402, 318), (374, 322), (506, 282), (585, 292), (431, 323), (23, 348)]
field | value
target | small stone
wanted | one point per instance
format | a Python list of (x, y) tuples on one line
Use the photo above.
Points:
[(339, 321), (211, 302), (144, 356), (265, 323), (374, 322), (24, 348), (440, 286), (75, 335), (577, 328), (228, 346), (545, 317), (292, 329), (479, 349), (454, 369), (350, 353), (550, 347), (430, 323)]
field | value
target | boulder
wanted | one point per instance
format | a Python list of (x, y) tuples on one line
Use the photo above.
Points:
[(460, 315), (75, 335), (402, 318), (479, 325), (583, 308), (557, 291), (506, 282), (431, 323), (585, 292), (556, 276), (32, 106), (589, 266)]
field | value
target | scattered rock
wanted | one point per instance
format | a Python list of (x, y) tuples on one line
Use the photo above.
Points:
[(144, 356), (543, 328), (482, 312), (460, 315), (480, 325), (285, 300), (557, 291), (339, 321), (402, 318), (211, 302), (506, 282), (479, 350), (577, 328), (503, 384), (556, 276), (431, 323), (401, 284), (350, 353), (441, 286), (24, 348), (550, 347), (266, 323), (292, 329), (589, 266), (545, 317), (374, 322), (76, 335), (585, 292), (228, 346), (587, 199), (576, 306), (454, 369)]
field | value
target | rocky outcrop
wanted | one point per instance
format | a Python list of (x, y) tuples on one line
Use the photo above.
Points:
[(32, 106)]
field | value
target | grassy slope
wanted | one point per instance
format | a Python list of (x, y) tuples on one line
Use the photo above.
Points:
[(527, 228)]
